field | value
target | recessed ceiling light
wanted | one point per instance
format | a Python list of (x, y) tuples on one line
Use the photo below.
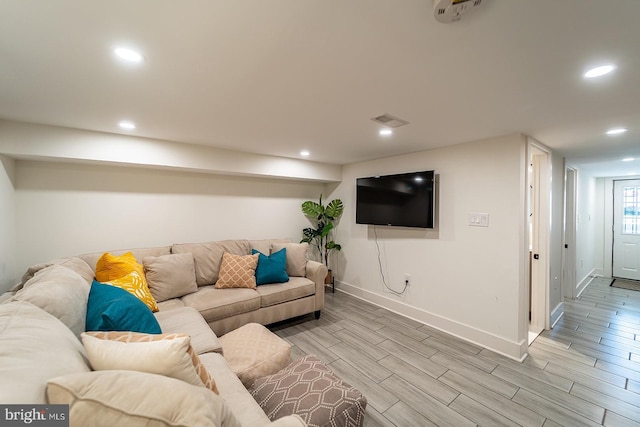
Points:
[(124, 124), (128, 54), (305, 153), (628, 159), (385, 132), (616, 131), (599, 71)]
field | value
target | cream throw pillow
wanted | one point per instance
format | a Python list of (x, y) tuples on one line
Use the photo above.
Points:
[(170, 355), (137, 399), (60, 292), (170, 276), (237, 271), (296, 257)]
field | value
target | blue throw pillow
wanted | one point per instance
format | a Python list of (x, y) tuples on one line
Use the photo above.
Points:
[(271, 268), (110, 308)]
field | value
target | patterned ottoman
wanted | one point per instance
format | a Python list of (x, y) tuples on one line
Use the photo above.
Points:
[(254, 351), (309, 389)]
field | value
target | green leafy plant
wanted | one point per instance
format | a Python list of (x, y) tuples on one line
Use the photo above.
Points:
[(324, 219)]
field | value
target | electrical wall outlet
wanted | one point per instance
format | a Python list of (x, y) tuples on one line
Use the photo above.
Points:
[(407, 277)]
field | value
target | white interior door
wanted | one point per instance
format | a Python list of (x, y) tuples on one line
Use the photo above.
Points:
[(626, 229)]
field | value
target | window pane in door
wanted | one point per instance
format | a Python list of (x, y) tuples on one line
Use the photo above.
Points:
[(631, 210)]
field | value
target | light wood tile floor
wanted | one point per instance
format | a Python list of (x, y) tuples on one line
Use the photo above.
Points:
[(584, 372)]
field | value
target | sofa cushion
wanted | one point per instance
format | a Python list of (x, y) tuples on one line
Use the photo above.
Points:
[(34, 347), (296, 287), (170, 304), (308, 388), (296, 257), (170, 276), (110, 308), (187, 320), (60, 292), (139, 399), (271, 268), (214, 304), (237, 271), (125, 272), (244, 407), (208, 256), (166, 354)]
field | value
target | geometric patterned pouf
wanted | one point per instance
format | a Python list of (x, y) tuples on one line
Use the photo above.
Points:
[(253, 351), (309, 389)]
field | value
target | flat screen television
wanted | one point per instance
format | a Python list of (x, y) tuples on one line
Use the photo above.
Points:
[(405, 200)]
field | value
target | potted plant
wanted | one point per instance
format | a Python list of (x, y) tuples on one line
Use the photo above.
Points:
[(324, 219)]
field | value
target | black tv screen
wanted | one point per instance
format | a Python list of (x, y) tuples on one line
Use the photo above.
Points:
[(405, 200)]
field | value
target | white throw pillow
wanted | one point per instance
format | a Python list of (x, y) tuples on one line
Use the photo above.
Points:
[(168, 357)]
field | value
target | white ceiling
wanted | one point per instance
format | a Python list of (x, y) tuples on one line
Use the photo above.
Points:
[(278, 76)]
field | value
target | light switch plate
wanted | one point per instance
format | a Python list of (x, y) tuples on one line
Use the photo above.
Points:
[(479, 219)]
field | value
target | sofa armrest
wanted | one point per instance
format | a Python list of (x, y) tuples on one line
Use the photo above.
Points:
[(289, 421), (317, 272)]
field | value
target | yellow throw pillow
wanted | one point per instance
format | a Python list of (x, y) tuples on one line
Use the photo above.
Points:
[(110, 267), (137, 337), (237, 271), (125, 272)]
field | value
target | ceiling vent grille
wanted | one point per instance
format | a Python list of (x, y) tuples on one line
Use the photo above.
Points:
[(452, 10), (390, 121)]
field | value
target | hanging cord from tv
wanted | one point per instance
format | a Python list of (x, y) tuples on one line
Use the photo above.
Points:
[(384, 280)]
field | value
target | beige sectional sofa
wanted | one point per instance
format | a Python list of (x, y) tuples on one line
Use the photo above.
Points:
[(227, 309), (42, 359)]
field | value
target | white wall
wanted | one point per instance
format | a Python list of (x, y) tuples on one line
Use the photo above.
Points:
[(586, 230), (64, 209), (465, 280), (28, 140), (7, 224)]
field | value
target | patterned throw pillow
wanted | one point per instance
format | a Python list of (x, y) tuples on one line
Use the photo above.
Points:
[(237, 271), (125, 272), (309, 389), (113, 359)]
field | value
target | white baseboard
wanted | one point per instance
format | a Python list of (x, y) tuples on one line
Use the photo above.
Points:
[(556, 314), (584, 282), (511, 349)]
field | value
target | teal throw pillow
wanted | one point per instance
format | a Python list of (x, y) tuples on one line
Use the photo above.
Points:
[(271, 268), (110, 308)]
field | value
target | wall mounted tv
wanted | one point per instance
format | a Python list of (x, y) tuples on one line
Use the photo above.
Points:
[(405, 200)]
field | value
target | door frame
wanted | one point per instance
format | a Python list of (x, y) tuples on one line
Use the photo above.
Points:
[(539, 283), (569, 284)]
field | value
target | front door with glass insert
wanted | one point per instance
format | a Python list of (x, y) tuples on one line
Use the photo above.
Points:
[(626, 229)]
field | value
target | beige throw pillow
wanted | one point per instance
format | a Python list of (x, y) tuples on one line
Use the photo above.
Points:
[(60, 292), (237, 271), (170, 276), (296, 257), (137, 399), (164, 354)]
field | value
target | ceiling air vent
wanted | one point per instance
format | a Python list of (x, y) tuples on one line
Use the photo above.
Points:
[(390, 121), (452, 10)]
